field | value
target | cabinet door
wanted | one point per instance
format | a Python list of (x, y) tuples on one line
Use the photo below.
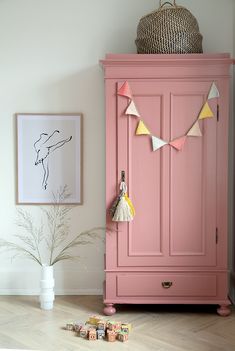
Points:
[(174, 192)]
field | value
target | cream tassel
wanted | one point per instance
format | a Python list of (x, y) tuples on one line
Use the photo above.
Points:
[(122, 211)]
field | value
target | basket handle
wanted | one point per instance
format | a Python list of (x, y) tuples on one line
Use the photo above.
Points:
[(167, 3)]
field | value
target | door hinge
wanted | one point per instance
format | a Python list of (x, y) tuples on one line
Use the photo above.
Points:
[(217, 113), (216, 236)]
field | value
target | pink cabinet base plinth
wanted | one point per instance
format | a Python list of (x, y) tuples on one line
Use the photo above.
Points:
[(224, 310), (109, 309)]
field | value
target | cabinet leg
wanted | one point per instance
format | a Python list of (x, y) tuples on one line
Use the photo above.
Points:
[(109, 309), (224, 310)]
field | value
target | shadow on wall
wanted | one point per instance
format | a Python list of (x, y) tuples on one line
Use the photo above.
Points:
[(78, 92), (83, 92)]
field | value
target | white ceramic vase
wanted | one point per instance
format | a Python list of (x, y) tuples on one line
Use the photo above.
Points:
[(47, 284)]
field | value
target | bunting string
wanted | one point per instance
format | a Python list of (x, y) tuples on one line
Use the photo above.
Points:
[(178, 143)]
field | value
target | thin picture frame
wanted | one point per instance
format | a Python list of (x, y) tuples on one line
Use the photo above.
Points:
[(49, 158)]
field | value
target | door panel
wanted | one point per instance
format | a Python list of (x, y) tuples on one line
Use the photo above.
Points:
[(146, 179), (141, 241), (174, 192)]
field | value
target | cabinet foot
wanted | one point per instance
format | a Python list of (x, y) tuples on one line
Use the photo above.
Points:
[(224, 310), (109, 309)]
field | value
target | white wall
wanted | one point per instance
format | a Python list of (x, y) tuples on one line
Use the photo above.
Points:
[(49, 62)]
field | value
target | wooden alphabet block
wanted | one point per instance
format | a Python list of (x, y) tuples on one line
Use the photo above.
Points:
[(126, 327), (83, 333), (100, 334), (101, 325), (92, 334), (122, 336), (111, 335), (78, 325), (70, 326), (93, 320)]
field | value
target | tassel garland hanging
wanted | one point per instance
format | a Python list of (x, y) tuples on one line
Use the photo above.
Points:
[(122, 209)]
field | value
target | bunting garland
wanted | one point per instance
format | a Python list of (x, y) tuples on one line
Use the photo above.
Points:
[(177, 143)]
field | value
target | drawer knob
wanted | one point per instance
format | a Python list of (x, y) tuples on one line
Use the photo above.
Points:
[(166, 285)]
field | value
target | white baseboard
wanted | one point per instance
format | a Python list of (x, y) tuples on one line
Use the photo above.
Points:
[(33, 292), (66, 283)]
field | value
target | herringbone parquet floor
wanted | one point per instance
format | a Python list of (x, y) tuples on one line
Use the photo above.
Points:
[(24, 325)]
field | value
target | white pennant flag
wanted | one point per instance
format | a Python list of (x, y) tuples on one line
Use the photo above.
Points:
[(157, 143), (132, 110), (195, 130), (214, 92)]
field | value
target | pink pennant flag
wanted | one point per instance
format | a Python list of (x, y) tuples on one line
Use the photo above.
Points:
[(178, 143), (132, 110), (125, 90)]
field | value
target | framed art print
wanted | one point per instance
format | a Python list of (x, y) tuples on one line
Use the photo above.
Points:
[(49, 157)]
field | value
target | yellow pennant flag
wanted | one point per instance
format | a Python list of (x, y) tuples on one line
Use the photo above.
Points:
[(142, 129), (206, 112)]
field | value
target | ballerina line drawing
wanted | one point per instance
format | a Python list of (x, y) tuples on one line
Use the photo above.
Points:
[(44, 147)]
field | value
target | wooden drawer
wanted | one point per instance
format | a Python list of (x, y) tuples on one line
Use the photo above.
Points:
[(182, 284)]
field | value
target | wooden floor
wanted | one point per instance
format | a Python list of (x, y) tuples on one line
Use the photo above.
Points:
[(23, 325)]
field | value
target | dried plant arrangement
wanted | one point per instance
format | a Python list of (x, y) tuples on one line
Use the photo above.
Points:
[(52, 233)]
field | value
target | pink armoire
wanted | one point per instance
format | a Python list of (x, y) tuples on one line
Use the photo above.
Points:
[(175, 249)]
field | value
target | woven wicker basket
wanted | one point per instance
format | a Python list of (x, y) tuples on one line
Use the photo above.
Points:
[(169, 30)]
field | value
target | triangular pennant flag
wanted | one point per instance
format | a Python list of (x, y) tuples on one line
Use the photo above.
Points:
[(142, 129), (195, 130), (178, 143), (214, 92), (125, 90), (206, 112), (132, 110), (157, 143)]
